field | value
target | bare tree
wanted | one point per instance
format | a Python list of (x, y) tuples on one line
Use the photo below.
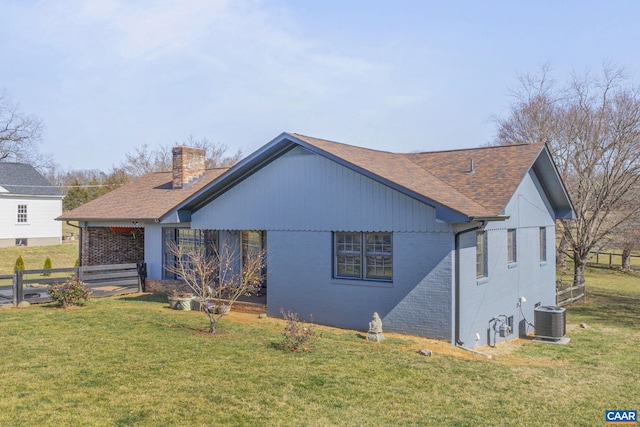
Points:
[(146, 159), (218, 276), (20, 135), (626, 236), (216, 157), (592, 127)]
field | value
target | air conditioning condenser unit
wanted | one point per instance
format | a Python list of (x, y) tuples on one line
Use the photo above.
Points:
[(549, 322)]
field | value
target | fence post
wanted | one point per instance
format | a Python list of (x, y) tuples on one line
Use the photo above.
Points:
[(14, 290), (19, 293), (142, 276), (571, 290)]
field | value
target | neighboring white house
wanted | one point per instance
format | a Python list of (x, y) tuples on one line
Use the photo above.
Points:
[(29, 205)]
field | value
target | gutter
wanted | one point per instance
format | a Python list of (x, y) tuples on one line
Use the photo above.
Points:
[(488, 218)]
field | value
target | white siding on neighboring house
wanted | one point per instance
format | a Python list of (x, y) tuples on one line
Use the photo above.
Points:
[(40, 228)]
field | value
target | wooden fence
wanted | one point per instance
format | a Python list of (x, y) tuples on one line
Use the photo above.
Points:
[(566, 290), (102, 280), (611, 260)]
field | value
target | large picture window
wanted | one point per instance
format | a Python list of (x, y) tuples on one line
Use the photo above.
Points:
[(187, 239), (367, 256)]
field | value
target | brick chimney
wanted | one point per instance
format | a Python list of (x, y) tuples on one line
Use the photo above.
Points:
[(188, 165)]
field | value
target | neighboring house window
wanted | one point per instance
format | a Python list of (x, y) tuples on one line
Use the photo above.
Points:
[(543, 244), (187, 239), (22, 213), (481, 254), (21, 242), (512, 248), (367, 256)]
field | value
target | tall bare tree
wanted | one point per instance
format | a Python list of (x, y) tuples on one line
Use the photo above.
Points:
[(20, 135), (592, 126)]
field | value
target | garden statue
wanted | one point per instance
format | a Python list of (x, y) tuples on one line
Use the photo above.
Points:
[(375, 329)]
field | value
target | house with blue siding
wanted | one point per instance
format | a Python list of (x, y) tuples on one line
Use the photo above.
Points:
[(457, 245)]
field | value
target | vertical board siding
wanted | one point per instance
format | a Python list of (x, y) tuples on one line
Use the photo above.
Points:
[(304, 191)]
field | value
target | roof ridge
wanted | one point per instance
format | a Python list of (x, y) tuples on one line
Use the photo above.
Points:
[(404, 156), (297, 135), (481, 147)]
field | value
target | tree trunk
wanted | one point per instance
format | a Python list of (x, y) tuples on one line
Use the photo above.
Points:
[(578, 271), (626, 258), (561, 253)]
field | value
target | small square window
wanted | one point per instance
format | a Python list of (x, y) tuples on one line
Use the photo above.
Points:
[(21, 242)]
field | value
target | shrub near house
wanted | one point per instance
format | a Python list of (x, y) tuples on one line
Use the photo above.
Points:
[(70, 293)]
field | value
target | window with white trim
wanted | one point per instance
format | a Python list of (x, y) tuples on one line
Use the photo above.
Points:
[(22, 213), (512, 248), (365, 256)]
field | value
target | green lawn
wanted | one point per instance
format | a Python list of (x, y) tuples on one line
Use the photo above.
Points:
[(64, 255), (132, 361)]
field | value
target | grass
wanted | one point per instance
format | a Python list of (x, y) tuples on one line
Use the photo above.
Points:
[(62, 256), (132, 361)]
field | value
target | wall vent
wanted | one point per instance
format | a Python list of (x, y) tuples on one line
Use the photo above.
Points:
[(550, 322)]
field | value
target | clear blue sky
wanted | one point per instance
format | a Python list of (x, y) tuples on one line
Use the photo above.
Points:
[(106, 76)]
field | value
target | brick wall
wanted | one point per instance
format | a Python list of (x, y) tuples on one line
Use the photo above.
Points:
[(166, 287), (102, 245), (189, 163)]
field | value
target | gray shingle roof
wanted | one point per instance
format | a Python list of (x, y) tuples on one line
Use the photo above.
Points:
[(18, 178)]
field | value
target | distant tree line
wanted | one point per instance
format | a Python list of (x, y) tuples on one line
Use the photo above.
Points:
[(81, 186)]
